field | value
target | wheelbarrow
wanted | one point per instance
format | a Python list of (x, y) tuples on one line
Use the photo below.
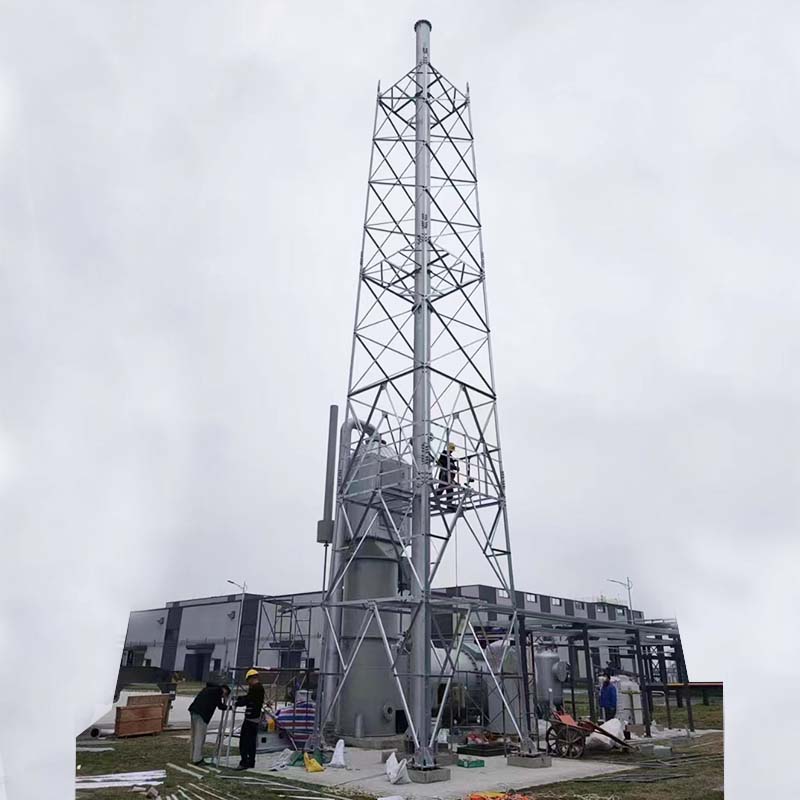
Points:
[(566, 738)]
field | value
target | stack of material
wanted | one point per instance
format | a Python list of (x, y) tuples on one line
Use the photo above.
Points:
[(164, 700), (139, 720), (121, 780)]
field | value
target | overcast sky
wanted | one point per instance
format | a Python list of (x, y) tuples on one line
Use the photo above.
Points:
[(181, 199)]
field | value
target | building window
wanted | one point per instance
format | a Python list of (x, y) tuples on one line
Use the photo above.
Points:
[(531, 598), (502, 594), (556, 601), (579, 605), (601, 608), (217, 664), (148, 662)]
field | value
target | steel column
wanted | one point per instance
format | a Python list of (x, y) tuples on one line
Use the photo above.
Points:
[(589, 674), (646, 697)]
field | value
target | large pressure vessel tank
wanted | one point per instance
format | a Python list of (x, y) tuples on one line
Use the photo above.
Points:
[(551, 672), (466, 702), (369, 701)]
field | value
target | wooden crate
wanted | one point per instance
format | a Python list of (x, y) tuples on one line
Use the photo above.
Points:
[(139, 720), (151, 700)]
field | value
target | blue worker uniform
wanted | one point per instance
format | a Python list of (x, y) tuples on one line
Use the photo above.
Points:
[(608, 700)]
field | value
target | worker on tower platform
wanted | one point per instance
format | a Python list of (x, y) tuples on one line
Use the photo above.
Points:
[(253, 702), (448, 475)]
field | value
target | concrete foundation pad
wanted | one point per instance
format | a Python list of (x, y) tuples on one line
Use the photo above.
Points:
[(366, 775), (397, 743), (529, 762), (435, 775)]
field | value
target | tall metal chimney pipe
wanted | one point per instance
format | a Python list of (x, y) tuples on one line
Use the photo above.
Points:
[(325, 525), (421, 512)]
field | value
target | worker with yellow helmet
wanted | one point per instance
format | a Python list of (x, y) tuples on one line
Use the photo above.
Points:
[(252, 702)]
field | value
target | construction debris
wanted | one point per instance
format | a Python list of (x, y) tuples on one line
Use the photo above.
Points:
[(636, 778), (185, 771), (121, 780), (207, 791), (198, 793)]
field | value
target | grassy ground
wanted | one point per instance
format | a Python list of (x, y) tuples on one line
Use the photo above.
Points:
[(703, 781), (139, 753), (705, 717), (705, 774)]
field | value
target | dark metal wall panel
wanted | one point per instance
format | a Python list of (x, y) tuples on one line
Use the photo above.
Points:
[(442, 631), (544, 603), (247, 632), (171, 633), (590, 610), (569, 608), (487, 593)]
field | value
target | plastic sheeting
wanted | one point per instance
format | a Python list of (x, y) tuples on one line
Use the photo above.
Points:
[(596, 741), (397, 771)]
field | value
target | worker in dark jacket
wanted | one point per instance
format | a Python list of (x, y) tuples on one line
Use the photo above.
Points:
[(448, 475), (200, 711), (252, 702), (608, 698)]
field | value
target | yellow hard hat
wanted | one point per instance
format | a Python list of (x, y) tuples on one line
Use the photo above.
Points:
[(451, 446), (251, 673)]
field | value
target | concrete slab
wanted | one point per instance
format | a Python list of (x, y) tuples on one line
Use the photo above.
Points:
[(530, 762), (367, 775), (434, 775)]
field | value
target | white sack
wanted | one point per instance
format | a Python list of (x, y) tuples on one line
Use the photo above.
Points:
[(337, 760)]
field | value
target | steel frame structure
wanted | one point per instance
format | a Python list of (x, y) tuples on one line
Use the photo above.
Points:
[(421, 378), (651, 646)]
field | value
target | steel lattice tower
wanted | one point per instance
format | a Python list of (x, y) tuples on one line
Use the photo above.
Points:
[(421, 377)]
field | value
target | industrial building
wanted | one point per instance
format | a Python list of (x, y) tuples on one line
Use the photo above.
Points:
[(198, 637)]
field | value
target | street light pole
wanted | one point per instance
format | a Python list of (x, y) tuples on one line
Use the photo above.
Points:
[(628, 584)]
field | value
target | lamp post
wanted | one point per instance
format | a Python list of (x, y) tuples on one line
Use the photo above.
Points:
[(628, 584)]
